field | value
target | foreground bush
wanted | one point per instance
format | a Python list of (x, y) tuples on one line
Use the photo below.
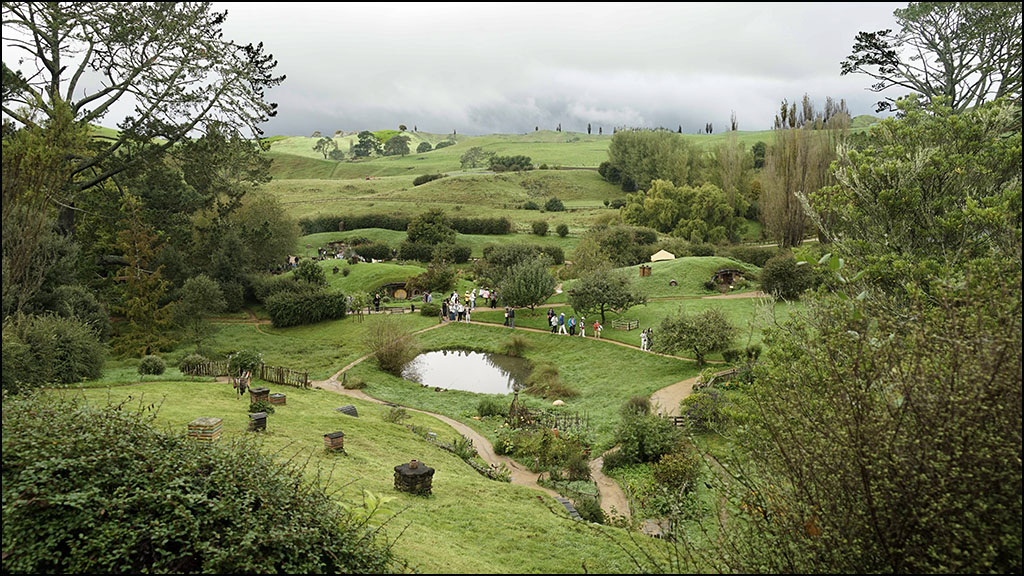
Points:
[(113, 495), (49, 349)]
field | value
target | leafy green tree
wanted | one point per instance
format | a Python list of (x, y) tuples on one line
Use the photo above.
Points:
[(758, 150), (562, 230), (432, 227), (474, 157), (311, 273), (964, 52), (423, 147), (198, 299), (142, 290), (368, 144), (641, 156), (510, 163), (783, 277), (857, 461), (336, 154), (540, 227), (702, 334), (696, 214), (528, 284), (397, 146), (930, 191), (172, 60), (325, 146), (603, 290)]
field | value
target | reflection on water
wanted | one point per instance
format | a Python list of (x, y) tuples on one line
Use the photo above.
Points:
[(470, 371)]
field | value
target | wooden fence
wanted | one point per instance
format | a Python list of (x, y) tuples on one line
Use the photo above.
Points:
[(213, 368), (284, 376), (272, 374)]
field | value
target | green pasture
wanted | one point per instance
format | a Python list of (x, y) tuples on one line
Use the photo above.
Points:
[(468, 525)]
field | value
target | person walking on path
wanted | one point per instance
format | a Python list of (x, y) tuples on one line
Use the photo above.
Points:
[(561, 324), (650, 338), (506, 315), (643, 340), (511, 317), (583, 327), (597, 329), (553, 322), (551, 314), (444, 310), (572, 325)]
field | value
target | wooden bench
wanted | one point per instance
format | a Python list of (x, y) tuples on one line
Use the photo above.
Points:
[(625, 324)]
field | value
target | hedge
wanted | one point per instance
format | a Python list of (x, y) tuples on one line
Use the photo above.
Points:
[(320, 224), (374, 251), (290, 309)]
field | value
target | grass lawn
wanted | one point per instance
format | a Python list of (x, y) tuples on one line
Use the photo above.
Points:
[(469, 524)]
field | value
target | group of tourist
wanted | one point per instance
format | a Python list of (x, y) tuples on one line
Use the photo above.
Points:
[(645, 339), (561, 325)]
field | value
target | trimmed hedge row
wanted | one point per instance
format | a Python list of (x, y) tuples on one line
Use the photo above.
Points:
[(289, 309), (320, 224), (374, 251)]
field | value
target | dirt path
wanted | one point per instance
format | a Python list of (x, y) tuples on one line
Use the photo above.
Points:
[(666, 401)]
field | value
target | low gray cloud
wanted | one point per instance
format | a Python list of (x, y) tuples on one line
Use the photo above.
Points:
[(483, 68)]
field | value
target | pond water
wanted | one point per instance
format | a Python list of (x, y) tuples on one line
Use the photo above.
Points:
[(478, 372)]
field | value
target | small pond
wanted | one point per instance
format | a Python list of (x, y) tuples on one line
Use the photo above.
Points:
[(478, 372)]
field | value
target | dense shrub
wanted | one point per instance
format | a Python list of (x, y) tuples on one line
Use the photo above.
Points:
[(288, 309), (554, 205), (459, 254), (704, 409), (562, 230), (556, 253), (426, 178), (511, 163), (152, 365), (491, 405), (702, 249), (617, 203), (261, 406), (264, 286), (415, 251), (396, 415), (430, 310), (116, 496), (310, 272), (530, 205), (79, 302), (678, 470), (444, 144), (49, 349), (646, 438), (751, 254), (783, 277), (589, 508), (374, 251), (540, 227), (424, 147)]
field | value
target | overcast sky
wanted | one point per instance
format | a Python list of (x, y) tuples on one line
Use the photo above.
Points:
[(506, 68)]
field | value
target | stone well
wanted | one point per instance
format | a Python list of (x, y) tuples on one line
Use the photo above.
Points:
[(414, 477)]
